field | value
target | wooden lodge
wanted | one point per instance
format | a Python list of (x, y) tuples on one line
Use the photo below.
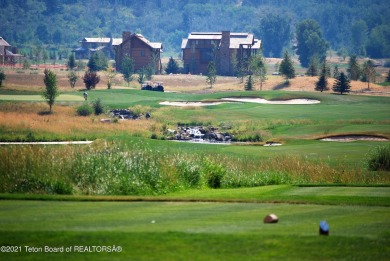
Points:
[(225, 48), (6, 55), (143, 52)]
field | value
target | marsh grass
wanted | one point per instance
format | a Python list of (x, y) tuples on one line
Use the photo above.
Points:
[(135, 169)]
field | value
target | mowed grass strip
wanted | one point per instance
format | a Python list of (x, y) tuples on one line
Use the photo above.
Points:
[(321, 195), (194, 231)]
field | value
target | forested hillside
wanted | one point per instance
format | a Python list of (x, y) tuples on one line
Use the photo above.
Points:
[(360, 27)]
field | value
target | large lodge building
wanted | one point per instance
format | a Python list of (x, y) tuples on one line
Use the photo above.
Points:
[(223, 47)]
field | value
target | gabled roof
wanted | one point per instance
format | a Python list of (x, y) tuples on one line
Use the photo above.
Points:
[(237, 40), (152, 45), (3, 42)]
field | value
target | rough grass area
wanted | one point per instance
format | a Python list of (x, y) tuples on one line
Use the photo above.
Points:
[(138, 169)]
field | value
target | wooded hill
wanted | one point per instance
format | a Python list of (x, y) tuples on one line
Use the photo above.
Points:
[(359, 27)]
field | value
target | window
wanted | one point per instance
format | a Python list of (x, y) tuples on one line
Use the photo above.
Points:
[(142, 53)]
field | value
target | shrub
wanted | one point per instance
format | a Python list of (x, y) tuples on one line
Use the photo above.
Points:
[(84, 110), (379, 158), (214, 173), (98, 106), (72, 78), (2, 77), (172, 66), (91, 79)]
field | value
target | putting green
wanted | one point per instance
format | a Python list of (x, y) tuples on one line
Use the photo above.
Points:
[(61, 97)]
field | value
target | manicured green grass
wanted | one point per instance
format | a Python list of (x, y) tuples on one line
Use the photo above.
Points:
[(194, 231)]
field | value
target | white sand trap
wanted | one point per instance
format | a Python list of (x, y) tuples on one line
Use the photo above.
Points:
[(349, 138), (264, 101), (195, 104)]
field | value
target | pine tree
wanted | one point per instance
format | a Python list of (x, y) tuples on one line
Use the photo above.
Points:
[(322, 84), (354, 70), (51, 92), (388, 77), (71, 62), (286, 67), (249, 84), (172, 66), (342, 84), (313, 67), (97, 62)]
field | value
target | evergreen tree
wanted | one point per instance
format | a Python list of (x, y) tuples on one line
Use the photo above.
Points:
[(127, 69), (322, 84), (172, 66), (51, 92), (388, 77), (342, 84), (286, 67), (354, 70), (211, 74), (97, 62), (249, 84), (313, 67), (71, 62), (368, 72)]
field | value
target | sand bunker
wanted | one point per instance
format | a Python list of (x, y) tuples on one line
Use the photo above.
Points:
[(349, 138), (253, 100), (183, 104), (263, 101)]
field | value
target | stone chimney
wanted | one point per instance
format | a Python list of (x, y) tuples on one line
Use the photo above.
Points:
[(123, 49), (126, 36), (224, 54)]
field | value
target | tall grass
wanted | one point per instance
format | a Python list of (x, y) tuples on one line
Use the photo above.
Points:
[(134, 169), (21, 121), (379, 158)]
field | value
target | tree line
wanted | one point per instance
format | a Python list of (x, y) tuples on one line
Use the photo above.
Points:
[(360, 27)]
